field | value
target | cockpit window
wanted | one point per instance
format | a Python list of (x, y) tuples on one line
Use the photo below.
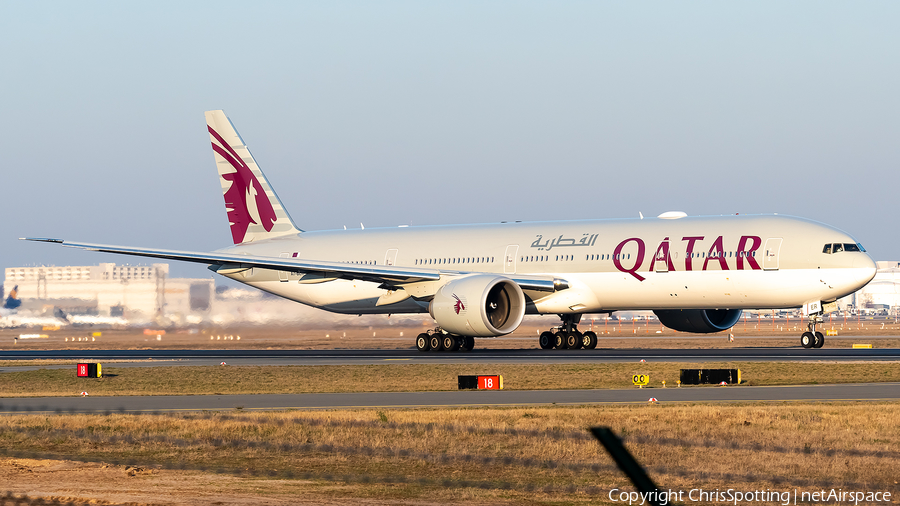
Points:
[(838, 248)]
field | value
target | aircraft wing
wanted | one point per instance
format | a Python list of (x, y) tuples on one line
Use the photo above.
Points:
[(221, 262)]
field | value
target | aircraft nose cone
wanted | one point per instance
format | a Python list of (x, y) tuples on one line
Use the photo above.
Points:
[(866, 264)]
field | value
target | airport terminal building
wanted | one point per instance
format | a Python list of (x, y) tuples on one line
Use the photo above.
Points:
[(882, 293), (109, 289)]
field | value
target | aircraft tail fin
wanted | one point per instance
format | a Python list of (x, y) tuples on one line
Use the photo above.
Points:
[(254, 210)]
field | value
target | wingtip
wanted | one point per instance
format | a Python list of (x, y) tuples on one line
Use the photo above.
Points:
[(41, 239)]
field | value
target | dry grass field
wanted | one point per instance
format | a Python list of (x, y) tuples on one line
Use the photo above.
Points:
[(460, 456), (185, 380)]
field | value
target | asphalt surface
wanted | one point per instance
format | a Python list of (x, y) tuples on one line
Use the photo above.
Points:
[(152, 358), (844, 392)]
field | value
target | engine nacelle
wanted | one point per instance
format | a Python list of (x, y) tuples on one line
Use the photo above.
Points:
[(480, 305), (699, 321)]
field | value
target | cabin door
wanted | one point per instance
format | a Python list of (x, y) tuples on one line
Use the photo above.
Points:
[(390, 258), (509, 260), (773, 247), (283, 275), (661, 259)]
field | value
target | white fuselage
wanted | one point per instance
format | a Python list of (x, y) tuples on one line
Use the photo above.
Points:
[(723, 262)]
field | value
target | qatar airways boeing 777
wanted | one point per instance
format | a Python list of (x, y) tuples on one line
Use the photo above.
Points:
[(696, 274)]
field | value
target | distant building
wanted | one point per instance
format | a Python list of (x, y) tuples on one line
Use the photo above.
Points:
[(882, 293), (110, 290)]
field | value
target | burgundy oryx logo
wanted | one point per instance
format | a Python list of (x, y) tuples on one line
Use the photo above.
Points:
[(245, 200), (459, 306)]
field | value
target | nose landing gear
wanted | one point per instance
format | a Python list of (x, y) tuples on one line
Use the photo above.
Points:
[(567, 336), (811, 338)]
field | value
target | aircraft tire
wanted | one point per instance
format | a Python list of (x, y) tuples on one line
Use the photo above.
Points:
[(819, 340), (589, 340), (449, 343), (468, 344), (573, 340), (434, 342), (547, 340), (560, 340), (807, 339), (422, 342)]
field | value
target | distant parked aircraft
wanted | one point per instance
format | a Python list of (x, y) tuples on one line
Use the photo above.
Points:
[(12, 301)]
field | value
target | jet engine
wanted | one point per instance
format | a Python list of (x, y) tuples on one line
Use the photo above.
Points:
[(699, 321), (480, 305)]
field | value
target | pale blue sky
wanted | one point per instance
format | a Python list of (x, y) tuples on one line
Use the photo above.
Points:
[(429, 113)]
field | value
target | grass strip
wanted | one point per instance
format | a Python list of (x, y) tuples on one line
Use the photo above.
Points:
[(399, 455), (219, 380)]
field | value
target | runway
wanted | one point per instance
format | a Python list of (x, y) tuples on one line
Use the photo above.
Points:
[(484, 356), (145, 404)]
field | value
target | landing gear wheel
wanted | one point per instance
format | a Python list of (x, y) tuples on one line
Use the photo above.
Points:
[(589, 340), (422, 342), (573, 340), (468, 344), (807, 339), (449, 343), (560, 340), (434, 342), (547, 340), (819, 340)]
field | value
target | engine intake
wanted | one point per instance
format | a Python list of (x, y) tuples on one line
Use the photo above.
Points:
[(698, 321), (480, 305)]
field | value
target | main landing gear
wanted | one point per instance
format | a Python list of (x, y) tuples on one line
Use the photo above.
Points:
[(567, 336), (811, 338), (437, 340)]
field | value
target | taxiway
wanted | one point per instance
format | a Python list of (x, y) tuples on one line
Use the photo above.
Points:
[(484, 356), (454, 399)]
